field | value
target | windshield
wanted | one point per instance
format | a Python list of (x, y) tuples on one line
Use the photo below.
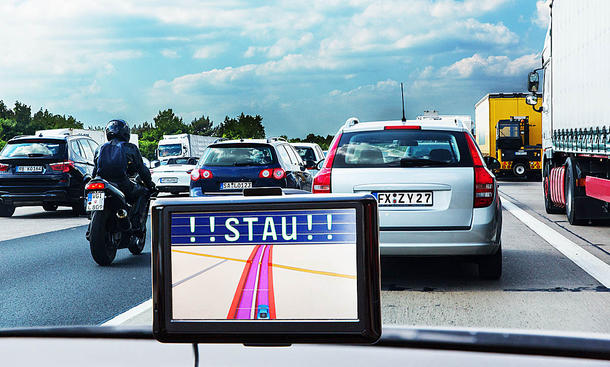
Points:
[(33, 149), (169, 150), (518, 238), (238, 155), (389, 148), (306, 153), (508, 130)]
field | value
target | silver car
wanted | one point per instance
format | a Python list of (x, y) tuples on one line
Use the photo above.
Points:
[(435, 193)]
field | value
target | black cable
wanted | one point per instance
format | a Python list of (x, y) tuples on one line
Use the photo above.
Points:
[(196, 352)]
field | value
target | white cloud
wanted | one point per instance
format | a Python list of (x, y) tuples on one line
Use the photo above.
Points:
[(543, 14), (452, 8), (280, 48), (170, 54), (491, 66), (209, 51), (382, 86)]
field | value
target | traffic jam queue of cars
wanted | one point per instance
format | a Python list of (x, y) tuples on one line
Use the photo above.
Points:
[(435, 193)]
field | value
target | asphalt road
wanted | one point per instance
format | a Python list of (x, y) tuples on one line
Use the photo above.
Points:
[(50, 279)]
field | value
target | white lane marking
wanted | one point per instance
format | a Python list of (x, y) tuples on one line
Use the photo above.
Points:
[(119, 319), (584, 259)]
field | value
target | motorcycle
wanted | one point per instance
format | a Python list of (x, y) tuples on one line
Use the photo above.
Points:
[(110, 226)]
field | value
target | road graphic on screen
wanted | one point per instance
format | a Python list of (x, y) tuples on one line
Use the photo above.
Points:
[(283, 265)]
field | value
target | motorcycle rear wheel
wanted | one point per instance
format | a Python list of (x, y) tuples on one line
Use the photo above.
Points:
[(101, 241)]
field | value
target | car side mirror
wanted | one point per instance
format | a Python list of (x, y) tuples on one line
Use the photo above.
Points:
[(302, 167), (531, 100), (533, 82), (492, 163)]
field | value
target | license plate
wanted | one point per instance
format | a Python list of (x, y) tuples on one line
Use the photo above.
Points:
[(29, 169), (95, 200), (520, 152), (235, 185), (404, 198), (168, 180)]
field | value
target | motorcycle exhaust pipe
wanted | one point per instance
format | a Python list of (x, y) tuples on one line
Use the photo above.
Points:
[(124, 223)]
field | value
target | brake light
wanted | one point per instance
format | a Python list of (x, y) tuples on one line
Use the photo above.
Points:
[(266, 173), (62, 166), (321, 183), (279, 173), (402, 127), (484, 181), (96, 186), (3, 167), (196, 174)]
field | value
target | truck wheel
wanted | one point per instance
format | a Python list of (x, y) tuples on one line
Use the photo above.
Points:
[(519, 169), (6, 210), (49, 207), (570, 194), (549, 206), (490, 266)]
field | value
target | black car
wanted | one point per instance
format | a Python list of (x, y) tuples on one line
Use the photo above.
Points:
[(240, 164), (50, 171)]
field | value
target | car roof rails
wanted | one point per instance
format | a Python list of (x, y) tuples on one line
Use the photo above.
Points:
[(351, 122), (276, 138)]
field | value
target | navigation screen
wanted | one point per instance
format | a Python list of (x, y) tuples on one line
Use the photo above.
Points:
[(264, 265)]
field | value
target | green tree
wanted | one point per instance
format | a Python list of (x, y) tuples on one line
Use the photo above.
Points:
[(201, 126), (23, 117), (5, 112), (243, 127), (166, 122)]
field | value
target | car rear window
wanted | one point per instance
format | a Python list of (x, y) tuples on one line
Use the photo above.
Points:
[(32, 149), (238, 155), (402, 148)]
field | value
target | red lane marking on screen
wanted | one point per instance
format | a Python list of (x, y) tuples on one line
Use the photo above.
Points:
[(262, 289), (245, 308), (270, 275), (242, 282)]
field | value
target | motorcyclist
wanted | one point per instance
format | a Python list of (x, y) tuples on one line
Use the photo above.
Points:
[(116, 161)]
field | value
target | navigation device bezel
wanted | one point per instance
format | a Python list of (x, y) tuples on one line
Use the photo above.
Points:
[(367, 329)]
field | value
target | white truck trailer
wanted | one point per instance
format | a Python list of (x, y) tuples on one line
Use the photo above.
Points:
[(575, 110), (98, 135), (183, 145)]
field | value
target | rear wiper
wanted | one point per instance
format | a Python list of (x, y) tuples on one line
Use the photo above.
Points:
[(32, 155), (411, 162), (241, 164)]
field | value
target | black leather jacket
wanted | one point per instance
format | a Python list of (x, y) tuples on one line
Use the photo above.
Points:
[(134, 163)]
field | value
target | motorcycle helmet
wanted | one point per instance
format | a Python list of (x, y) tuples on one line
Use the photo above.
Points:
[(117, 129)]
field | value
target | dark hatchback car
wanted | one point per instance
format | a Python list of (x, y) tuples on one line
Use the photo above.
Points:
[(49, 171), (235, 165)]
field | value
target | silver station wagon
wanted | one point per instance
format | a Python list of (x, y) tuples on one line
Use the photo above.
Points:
[(435, 193)]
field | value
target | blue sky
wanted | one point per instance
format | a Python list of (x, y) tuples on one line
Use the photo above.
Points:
[(304, 66)]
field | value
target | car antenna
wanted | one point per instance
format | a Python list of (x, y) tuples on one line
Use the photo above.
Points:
[(402, 94)]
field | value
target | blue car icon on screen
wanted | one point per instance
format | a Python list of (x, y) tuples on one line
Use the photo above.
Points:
[(263, 312)]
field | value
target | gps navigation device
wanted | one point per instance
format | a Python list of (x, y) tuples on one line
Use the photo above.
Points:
[(266, 269)]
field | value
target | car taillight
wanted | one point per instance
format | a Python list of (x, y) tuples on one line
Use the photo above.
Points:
[(189, 171), (484, 181), (3, 167), (196, 174), (279, 173), (321, 183), (96, 186), (266, 173), (62, 166)]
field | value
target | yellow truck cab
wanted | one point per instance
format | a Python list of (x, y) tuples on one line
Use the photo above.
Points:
[(506, 128)]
